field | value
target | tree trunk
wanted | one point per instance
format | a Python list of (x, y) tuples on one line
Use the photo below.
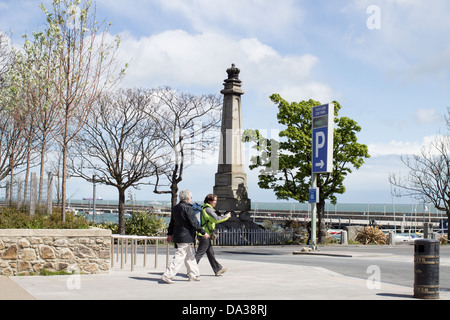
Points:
[(41, 179), (11, 187), (121, 211), (26, 198), (41, 173), (27, 174), (64, 192), (64, 173), (322, 230), (174, 194)]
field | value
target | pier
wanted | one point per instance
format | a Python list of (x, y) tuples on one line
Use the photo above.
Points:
[(333, 219), (339, 220)]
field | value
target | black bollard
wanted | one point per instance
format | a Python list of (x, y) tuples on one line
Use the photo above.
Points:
[(426, 269)]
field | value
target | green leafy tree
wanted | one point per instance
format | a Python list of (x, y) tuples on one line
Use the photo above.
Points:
[(286, 165)]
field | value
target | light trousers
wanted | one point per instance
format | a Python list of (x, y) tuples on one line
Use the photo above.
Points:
[(185, 253)]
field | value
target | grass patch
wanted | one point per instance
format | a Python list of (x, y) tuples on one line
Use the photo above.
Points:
[(47, 273)]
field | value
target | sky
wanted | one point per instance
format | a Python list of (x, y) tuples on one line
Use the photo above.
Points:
[(386, 62)]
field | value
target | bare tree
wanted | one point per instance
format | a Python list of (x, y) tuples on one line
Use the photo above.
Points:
[(429, 175), (13, 149), (187, 124), (119, 145), (17, 128), (82, 65)]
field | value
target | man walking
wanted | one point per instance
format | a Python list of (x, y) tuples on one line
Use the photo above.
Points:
[(182, 228)]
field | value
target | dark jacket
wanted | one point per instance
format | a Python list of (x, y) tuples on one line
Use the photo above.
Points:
[(184, 224)]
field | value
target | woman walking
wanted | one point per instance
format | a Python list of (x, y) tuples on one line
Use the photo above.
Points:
[(209, 218)]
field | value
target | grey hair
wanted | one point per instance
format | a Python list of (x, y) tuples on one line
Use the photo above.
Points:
[(185, 195)]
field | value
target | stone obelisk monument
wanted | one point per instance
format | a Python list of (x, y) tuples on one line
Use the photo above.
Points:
[(231, 180)]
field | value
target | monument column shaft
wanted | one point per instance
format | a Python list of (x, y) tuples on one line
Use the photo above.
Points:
[(231, 180), (231, 157)]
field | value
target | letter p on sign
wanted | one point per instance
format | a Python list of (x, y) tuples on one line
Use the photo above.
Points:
[(320, 142)]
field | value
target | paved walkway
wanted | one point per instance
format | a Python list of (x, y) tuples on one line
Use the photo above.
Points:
[(243, 281), (9, 290)]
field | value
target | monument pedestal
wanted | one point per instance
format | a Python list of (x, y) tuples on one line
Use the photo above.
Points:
[(232, 192)]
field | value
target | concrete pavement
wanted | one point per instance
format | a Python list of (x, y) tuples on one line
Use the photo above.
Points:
[(9, 290), (244, 280)]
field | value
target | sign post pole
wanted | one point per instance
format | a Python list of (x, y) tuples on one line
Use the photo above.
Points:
[(322, 155), (314, 216)]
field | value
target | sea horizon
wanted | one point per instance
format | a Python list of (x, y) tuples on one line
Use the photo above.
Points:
[(363, 208)]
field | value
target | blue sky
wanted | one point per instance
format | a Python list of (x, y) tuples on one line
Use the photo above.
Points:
[(386, 62)]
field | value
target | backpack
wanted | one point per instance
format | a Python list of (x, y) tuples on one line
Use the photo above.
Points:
[(197, 211)]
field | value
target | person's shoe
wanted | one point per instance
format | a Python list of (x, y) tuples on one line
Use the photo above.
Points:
[(194, 278), (167, 280), (221, 272)]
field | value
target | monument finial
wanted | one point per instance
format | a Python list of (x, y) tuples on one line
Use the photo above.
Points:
[(233, 72)]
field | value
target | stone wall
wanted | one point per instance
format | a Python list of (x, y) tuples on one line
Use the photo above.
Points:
[(24, 251), (353, 231)]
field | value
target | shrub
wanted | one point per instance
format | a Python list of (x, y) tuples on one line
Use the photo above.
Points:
[(144, 224), (114, 227), (14, 219), (372, 235), (270, 226), (299, 229), (443, 239)]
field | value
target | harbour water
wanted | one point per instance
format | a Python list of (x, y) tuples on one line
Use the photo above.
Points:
[(414, 209), (363, 208)]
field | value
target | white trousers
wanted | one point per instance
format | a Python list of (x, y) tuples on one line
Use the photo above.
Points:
[(185, 253)]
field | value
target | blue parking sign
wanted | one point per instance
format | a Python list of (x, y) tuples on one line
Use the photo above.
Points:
[(314, 195), (323, 139)]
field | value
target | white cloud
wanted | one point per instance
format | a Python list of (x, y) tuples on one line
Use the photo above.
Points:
[(427, 116), (315, 90), (243, 16), (400, 147), (401, 48), (180, 59), (394, 148)]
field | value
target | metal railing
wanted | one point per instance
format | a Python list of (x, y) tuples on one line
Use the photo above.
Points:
[(250, 237), (122, 245)]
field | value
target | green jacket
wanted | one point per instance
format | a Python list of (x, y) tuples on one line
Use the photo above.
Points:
[(208, 222)]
